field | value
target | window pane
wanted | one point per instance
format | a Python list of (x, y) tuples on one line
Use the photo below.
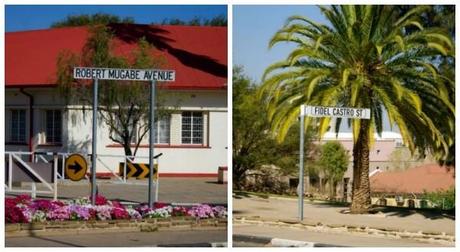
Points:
[(53, 126), (18, 126), (22, 126), (163, 130), (192, 127)]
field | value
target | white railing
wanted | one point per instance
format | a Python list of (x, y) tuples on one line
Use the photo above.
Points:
[(59, 171), (51, 185)]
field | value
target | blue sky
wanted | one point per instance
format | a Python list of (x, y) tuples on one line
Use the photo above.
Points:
[(253, 27), (32, 17)]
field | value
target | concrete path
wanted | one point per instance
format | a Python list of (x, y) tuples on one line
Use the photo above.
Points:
[(195, 238), (328, 239), (275, 209), (177, 190)]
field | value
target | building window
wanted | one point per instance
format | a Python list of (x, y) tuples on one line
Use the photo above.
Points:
[(131, 129), (18, 126), (192, 127), (162, 130), (53, 126)]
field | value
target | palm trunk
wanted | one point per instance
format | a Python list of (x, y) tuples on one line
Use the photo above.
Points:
[(361, 197)]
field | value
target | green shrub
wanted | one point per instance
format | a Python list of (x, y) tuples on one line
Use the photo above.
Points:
[(442, 199)]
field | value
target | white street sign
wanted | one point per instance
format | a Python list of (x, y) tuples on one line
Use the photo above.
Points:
[(319, 111), (123, 74)]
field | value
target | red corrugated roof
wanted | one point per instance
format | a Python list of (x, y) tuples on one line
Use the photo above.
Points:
[(416, 180), (198, 54)]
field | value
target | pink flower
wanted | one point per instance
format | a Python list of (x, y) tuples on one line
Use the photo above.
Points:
[(100, 200)]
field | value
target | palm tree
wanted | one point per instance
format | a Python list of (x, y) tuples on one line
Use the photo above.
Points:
[(365, 58)]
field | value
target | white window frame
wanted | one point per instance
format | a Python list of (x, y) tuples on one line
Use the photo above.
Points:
[(192, 128), (167, 119), (158, 123)]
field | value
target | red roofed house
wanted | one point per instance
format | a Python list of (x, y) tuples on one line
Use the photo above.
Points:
[(404, 188), (37, 119)]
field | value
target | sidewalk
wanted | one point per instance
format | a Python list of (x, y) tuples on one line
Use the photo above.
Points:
[(172, 190), (279, 209)]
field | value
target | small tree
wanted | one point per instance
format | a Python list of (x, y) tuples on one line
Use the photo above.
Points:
[(123, 105), (334, 161)]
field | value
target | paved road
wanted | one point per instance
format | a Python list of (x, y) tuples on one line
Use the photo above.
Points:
[(195, 238), (338, 239), (286, 209), (178, 190)]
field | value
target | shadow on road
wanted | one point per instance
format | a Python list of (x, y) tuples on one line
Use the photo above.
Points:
[(432, 214), (33, 235), (214, 182), (240, 195)]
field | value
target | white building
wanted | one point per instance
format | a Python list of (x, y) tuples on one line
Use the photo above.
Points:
[(193, 140)]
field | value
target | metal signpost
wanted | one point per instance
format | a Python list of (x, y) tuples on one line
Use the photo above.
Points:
[(151, 75), (320, 111)]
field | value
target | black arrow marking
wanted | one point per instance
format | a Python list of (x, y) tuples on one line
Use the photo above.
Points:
[(76, 167), (139, 170)]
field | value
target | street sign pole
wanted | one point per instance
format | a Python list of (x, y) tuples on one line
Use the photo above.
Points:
[(94, 147), (322, 111), (151, 140), (301, 165)]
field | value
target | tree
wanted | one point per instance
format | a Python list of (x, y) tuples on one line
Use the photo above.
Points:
[(219, 20), (250, 139), (334, 162), (366, 58), (99, 18), (123, 105), (253, 145), (401, 159)]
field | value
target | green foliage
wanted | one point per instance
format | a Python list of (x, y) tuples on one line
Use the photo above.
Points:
[(219, 20), (253, 145), (99, 18), (123, 105), (334, 162), (442, 199)]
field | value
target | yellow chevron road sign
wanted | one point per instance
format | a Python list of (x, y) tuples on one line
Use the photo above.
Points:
[(137, 170)]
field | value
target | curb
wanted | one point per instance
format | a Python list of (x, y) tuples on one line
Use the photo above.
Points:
[(188, 245), (278, 242), (431, 237), (78, 227)]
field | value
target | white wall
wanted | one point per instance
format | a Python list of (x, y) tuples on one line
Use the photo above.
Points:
[(177, 158)]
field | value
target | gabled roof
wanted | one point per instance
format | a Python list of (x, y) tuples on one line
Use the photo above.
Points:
[(417, 180), (198, 54)]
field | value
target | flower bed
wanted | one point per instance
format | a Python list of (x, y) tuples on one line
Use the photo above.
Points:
[(23, 209)]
